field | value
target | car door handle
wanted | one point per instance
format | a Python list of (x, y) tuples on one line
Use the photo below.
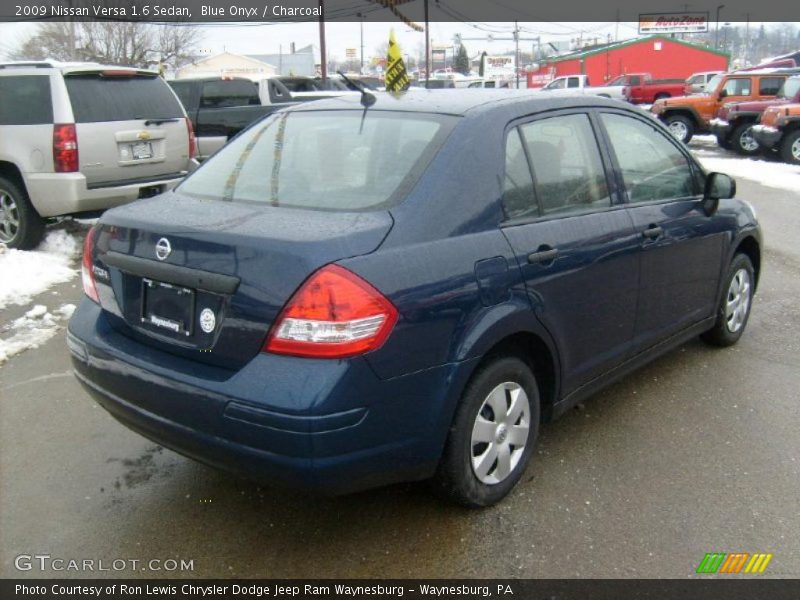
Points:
[(543, 256), (652, 232)]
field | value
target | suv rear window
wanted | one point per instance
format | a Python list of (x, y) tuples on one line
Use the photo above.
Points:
[(323, 160), (96, 98), (25, 100)]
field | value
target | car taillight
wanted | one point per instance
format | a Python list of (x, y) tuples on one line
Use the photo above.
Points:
[(87, 274), (65, 148), (334, 314), (192, 138)]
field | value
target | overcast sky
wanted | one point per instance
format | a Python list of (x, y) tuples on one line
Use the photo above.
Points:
[(265, 38)]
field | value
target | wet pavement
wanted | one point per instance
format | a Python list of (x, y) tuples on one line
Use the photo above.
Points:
[(697, 452)]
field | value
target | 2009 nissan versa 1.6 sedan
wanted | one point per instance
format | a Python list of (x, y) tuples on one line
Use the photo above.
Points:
[(356, 293)]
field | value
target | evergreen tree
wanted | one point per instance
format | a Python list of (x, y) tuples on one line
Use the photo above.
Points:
[(462, 61)]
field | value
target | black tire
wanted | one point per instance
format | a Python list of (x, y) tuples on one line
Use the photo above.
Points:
[(739, 137), (789, 146), (29, 228), (721, 333), (723, 142), (689, 124), (455, 478)]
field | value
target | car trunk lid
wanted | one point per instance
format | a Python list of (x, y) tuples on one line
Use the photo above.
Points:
[(210, 284)]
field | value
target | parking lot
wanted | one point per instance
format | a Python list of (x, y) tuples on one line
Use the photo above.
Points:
[(697, 452)]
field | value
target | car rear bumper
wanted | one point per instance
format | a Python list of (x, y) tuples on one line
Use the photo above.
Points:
[(767, 136), (329, 427), (54, 194)]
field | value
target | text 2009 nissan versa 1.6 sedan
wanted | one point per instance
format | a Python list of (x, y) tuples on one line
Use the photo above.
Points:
[(347, 296)]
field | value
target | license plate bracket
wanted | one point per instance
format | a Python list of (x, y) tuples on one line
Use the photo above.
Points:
[(169, 308), (142, 150)]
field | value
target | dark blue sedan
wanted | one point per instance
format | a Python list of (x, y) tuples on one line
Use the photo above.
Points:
[(351, 293)]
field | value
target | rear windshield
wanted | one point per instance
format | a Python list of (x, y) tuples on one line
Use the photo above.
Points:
[(96, 98), (324, 160), (25, 100)]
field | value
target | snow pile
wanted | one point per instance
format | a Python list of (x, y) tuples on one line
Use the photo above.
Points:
[(770, 174), (26, 273), (33, 329)]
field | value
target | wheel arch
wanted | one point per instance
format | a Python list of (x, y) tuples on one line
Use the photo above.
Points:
[(750, 247), (12, 172)]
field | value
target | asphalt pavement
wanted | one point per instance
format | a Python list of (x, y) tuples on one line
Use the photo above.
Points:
[(697, 452)]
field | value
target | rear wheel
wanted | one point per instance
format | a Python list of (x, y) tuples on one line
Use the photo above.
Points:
[(681, 127), (790, 147), (743, 140), (734, 306), (20, 225), (492, 436)]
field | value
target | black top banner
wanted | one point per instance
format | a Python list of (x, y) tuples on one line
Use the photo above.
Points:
[(254, 11)]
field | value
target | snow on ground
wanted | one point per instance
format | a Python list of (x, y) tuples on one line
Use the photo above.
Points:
[(33, 329), (26, 273), (761, 170)]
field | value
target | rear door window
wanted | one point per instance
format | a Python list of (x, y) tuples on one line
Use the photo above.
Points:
[(229, 93), (567, 167), (574, 82), (518, 198), (25, 100), (769, 86), (97, 98)]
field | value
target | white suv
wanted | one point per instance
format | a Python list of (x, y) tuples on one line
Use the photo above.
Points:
[(80, 138)]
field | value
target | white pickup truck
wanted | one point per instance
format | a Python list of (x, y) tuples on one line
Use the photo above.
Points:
[(579, 84)]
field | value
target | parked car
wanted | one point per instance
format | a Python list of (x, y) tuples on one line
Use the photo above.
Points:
[(220, 107), (779, 130), (80, 138), (579, 84), (733, 125), (688, 115), (697, 82), (323, 305), (643, 89)]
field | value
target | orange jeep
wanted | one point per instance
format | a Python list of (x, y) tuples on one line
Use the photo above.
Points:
[(687, 115), (779, 129)]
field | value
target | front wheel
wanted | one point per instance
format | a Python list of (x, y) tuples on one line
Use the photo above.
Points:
[(734, 306), (790, 148), (681, 127), (492, 436), (743, 140)]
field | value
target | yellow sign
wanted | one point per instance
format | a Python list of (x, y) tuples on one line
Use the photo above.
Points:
[(396, 75)]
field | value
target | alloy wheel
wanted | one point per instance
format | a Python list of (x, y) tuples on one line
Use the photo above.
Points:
[(796, 150), (9, 217), (678, 129), (747, 142), (738, 301), (500, 433)]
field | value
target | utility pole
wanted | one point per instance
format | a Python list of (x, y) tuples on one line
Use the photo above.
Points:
[(716, 34), (361, 19), (323, 58), (516, 51), (427, 46), (747, 42), (71, 33)]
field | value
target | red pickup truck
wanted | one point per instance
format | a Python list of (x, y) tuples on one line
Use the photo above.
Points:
[(643, 89)]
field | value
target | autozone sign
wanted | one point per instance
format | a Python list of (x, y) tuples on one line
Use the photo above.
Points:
[(689, 22)]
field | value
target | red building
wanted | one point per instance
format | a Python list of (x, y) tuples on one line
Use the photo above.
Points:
[(663, 57)]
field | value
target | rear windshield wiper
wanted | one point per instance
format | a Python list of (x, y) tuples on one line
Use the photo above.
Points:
[(160, 121)]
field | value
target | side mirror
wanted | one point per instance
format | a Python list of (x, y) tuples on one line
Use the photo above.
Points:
[(723, 94), (718, 187)]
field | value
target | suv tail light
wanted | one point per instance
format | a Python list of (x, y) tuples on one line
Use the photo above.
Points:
[(87, 274), (65, 148), (192, 139), (334, 314)]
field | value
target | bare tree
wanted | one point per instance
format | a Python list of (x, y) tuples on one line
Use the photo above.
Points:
[(128, 43)]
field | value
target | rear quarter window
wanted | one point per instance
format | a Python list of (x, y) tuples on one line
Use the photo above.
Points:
[(25, 100), (769, 86), (97, 99)]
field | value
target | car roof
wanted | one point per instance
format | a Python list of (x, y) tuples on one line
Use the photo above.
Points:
[(460, 101), (70, 67)]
